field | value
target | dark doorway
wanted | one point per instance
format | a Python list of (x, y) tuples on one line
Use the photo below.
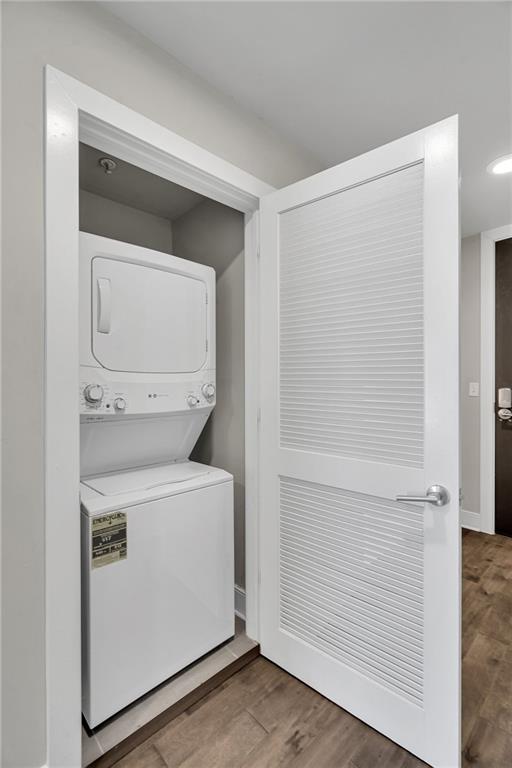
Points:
[(503, 438)]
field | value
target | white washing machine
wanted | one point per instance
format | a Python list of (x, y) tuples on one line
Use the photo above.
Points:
[(157, 529), (157, 592)]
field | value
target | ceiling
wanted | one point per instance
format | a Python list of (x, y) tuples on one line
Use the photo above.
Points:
[(132, 186), (339, 78)]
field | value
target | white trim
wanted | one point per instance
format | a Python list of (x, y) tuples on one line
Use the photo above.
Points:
[(61, 430), (137, 139), (488, 242), (156, 159), (72, 107), (470, 520), (252, 366), (239, 602)]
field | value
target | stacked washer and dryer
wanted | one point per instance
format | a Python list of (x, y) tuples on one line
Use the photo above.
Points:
[(157, 528)]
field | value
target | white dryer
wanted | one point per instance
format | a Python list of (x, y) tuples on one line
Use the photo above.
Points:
[(157, 529), (147, 354)]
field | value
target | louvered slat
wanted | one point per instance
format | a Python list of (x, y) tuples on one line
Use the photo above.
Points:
[(351, 322), (351, 581)]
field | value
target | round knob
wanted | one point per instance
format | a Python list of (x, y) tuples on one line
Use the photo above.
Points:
[(120, 404), (93, 393), (208, 391), (192, 400)]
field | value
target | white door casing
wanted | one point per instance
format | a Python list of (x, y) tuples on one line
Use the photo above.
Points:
[(360, 594), (73, 110)]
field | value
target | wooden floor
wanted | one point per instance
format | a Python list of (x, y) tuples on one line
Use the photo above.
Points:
[(487, 651), (264, 718)]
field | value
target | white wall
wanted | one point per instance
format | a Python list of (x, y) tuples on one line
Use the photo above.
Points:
[(213, 234), (84, 41), (109, 218), (470, 372)]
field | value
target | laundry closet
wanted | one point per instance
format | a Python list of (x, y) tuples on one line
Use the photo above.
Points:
[(161, 430)]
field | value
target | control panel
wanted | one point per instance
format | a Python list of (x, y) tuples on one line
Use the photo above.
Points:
[(101, 398)]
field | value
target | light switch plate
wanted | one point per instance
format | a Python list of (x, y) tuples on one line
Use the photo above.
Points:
[(474, 389)]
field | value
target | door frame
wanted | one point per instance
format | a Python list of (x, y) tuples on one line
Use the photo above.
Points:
[(75, 112), (488, 242)]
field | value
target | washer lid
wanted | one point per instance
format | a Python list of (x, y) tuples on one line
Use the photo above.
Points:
[(147, 478)]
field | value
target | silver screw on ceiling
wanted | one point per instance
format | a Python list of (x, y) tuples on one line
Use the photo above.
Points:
[(107, 164)]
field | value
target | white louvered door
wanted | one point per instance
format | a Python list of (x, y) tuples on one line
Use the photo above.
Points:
[(360, 593)]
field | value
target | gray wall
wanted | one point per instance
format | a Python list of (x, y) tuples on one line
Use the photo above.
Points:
[(470, 371), (213, 234), (86, 42), (108, 218)]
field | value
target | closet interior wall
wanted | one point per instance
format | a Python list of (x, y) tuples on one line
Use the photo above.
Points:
[(213, 234)]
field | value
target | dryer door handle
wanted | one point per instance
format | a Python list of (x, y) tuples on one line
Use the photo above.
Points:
[(104, 305)]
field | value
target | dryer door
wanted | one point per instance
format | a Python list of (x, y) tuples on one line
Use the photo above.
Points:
[(147, 320)]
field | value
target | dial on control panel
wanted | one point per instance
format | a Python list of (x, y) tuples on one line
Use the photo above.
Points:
[(93, 394), (208, 391), (120, 404)]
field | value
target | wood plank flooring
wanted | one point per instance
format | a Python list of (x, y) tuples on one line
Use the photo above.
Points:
[(264, 718), (486, 651)]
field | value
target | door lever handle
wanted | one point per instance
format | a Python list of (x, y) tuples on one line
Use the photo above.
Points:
[(436, 494)]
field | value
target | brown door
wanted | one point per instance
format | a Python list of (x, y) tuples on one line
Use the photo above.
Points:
[(503, 439)]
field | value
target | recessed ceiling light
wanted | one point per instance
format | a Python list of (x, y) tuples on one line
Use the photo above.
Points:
[(501, 165)]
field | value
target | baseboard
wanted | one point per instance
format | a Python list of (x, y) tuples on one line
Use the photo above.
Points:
[(470, 520), (240, 602)]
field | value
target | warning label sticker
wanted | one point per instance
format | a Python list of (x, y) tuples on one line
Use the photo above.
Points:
[(108, 539)]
